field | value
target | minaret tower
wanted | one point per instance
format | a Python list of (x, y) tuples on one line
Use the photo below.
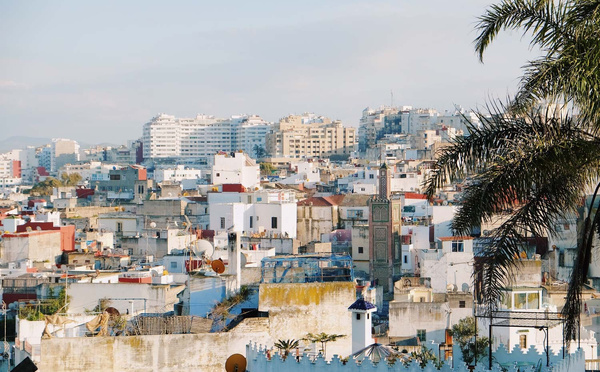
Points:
[(361, 324)]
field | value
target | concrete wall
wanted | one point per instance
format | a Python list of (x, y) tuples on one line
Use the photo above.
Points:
[(314, 221), (159, 298), (165, 353), (434, 317), (167, 208), (36, 246), (298, 308)]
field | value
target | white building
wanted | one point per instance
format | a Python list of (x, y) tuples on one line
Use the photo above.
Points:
[(260, 213), (188, 177), (235, 168), (63, 151), (450, 265), (91, 171), (307, 173), (248, 131), (166, 136)]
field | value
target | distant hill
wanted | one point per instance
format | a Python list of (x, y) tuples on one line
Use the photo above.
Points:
[(21, 142)]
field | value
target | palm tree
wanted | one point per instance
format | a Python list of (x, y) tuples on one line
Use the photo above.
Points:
[(534, 168), (530, 164), (323, 338), (567, 33), (285, 346)]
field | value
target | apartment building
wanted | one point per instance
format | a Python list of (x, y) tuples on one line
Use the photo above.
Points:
[(376, 124), (309, 136), (166, 136), (63, 151), (10, 174), (248, 132)]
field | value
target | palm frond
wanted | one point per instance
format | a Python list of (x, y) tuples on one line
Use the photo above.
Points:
[(543, 18)]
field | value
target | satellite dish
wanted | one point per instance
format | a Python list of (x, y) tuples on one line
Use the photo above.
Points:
[(236, 363), (39, 228), (152, 224), (243, 260), (202, 248), (218, 266), (29, 229), (112, 311)]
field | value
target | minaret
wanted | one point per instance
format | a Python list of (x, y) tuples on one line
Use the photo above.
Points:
[(384, 182), (361, 324)]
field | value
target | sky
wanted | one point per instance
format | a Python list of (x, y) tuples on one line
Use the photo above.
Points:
[(96, 71)]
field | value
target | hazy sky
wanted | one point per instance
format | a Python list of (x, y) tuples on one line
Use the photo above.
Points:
[(96, 71)]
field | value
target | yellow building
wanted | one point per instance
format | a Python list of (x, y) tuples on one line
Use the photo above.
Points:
[(309, 136)]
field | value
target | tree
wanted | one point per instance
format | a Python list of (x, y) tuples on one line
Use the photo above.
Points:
[(45, 187), (267, 168), (533, 165), (463, 333), (259, 151), (322, 338), (70, 179), (285, 346), (423, 357)]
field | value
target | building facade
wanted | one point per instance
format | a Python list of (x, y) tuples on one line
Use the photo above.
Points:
[(308, 136)]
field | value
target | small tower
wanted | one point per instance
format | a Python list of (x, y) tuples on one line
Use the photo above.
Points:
[(384, 181), (361, 324), (234, 268)]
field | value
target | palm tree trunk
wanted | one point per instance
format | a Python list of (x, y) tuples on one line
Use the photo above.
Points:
[(572, 308)]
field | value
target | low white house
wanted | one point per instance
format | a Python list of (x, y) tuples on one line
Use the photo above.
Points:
[(235, 168)]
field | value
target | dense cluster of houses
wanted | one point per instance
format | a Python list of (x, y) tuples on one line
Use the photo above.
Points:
[(206, 260)]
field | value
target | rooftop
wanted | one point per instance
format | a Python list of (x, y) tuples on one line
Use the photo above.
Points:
[(361, 304)]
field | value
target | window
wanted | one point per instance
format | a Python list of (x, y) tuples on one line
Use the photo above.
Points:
[(360, 250), (422, 335), (357, 316), (523, 341), (251, 222), (115, 177), (371, 176), (173, 265), (405, 259), (458, 246), (561, 259), (273, 222), (119, 226), (355, 213), (222, 222), (462, 304)]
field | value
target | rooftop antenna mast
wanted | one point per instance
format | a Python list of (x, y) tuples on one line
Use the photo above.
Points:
[(391, 98)]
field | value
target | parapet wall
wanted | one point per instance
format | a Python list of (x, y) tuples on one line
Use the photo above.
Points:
[(260, 361)]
